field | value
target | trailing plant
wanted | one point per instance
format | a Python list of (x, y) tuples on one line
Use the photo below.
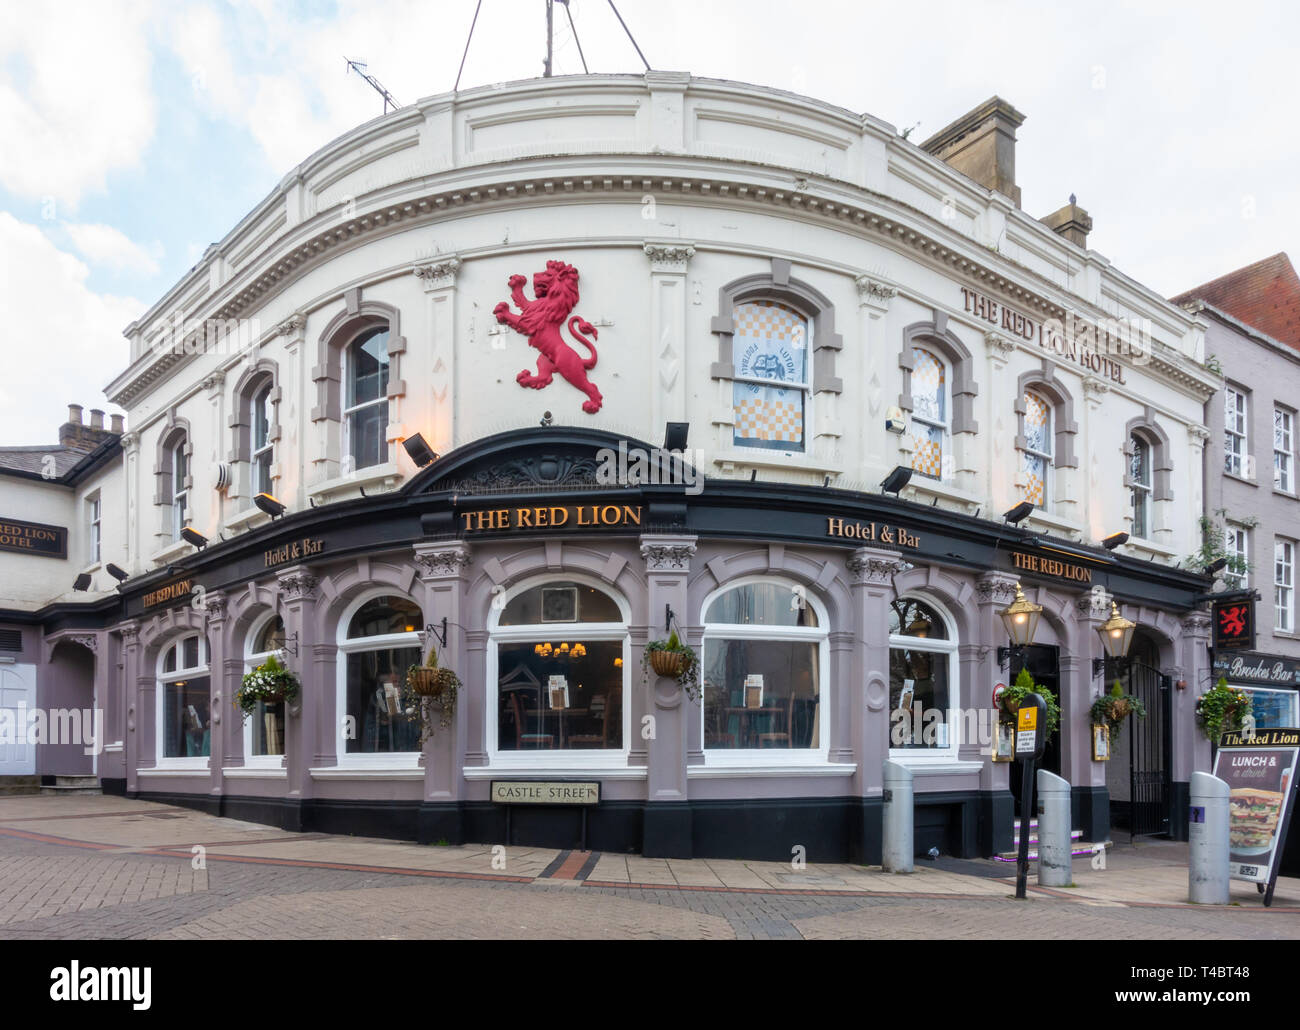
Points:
[(1024, 685), (1113, 708), (270, 683), (1222, 709), (675, 660), (1214, 544), (430, 695)]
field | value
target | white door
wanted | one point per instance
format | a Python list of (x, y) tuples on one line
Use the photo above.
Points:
[(17, 687)]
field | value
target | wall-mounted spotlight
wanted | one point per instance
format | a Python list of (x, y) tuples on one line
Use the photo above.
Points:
[(1216, 566), (268, 504), (1114, 540), (896, 480), (419, 450), (193, 536), (82, 582), (118, 574), (1019, 513), (675, 434)]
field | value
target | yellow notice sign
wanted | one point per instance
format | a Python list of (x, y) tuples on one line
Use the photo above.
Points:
[(1028, 719)]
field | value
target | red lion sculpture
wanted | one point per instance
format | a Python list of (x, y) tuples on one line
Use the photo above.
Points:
[(556, 293)]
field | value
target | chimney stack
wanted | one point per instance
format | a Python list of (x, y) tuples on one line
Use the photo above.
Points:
[(118, 425), (1071, 221), (76, 435), (74, 414), (982, 145), (96, 418)]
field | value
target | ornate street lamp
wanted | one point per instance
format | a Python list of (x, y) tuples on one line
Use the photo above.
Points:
[(1020, 618), (1116, 635)]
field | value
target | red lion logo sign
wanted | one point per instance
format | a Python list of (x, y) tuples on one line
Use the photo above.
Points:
[(556, 294)]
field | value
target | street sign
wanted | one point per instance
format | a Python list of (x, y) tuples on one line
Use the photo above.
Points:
[(1027, 732)]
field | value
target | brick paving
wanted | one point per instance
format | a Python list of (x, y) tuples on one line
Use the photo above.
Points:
[(92, 867)]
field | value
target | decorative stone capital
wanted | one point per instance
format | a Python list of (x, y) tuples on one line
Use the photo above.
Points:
[(1094, 603), (294, 327), (1094, 387), (1196, 624), (1198, 435), (438, 275), (215, 607), (130, 442), (668, 554), (872, 566), (996, 588), (874, 292), (999, 346), (668, 257), (214, 382), (440, 561), (296, 585), (129, 632)]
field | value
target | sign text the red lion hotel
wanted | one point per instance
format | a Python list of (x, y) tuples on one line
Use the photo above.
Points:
[(1095, 347)]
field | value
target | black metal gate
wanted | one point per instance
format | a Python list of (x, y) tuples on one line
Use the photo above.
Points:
[(1149, 752)]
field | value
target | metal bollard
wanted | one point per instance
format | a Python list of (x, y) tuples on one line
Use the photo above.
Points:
[(1054, 844), (897, 819), (1207, 841)]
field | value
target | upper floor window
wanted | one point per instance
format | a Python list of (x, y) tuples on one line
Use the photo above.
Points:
[(929, 413), (1139, 474), (94, 537), (179, 461), (1234, 432), (771, 344), (763, 663), (184, 705), (365, 415), (262, 446), (1284, 585), (1237, 545), (1037, 453), (1283, 449)]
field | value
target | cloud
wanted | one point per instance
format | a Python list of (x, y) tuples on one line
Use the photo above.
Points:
[(76, 91), (109, 247), (63, 343)]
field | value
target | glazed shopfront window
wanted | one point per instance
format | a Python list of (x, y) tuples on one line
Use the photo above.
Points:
[(769, 394), (561, 651), (264, 728), (763, 665), (922, 678), (382, 642), (184, 701)]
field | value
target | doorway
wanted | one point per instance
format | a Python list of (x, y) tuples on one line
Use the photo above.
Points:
[(1138, 773), (1044, 664)]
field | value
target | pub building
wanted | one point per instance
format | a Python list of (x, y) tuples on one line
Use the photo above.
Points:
[(821, 401)]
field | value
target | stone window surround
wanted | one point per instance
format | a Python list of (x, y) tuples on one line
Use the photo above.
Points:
[(241, 419), (935, 336), (356, 317), (1162, 465), (1043, 381), (777, 285), (175, 432)]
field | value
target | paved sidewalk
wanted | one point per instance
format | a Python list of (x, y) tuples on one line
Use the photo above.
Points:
[(91, 866)]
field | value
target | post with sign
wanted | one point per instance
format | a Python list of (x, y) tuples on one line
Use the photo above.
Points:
[(1031, 722)]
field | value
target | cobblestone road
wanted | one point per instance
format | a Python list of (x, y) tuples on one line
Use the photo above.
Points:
[(58, 880)]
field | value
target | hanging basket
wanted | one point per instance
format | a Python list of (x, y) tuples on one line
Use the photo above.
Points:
[(667, 663), (427, 682)]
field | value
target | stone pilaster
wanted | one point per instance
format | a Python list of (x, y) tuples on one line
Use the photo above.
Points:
[(878, 445), (439, 281), (128, 703), (311, 725), (223, 717), (668, 341)]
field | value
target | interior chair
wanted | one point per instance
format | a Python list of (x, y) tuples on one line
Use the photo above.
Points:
[(526, 740), (775, 737)]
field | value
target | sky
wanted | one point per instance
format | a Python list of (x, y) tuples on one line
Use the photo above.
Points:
[(134, 133)]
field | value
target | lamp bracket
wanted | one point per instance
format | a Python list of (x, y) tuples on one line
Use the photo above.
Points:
[(441, 637), (290, 644)]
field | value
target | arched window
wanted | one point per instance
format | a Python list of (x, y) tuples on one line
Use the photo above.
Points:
[(378, 642), (173, 480), (1139, 481), (264, 728), (771, 343), (559, 655), (184, 706), (365, 415), (262, 446), (923, 680), (929, 413), (763, 664), (1037, 437)]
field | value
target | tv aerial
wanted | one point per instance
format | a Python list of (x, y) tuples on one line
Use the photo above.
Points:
[(360, 68)]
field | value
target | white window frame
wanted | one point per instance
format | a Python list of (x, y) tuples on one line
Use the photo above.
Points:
[(748, 758), (949, 647), (162, 681), (1236, 435), (180, 492), (945, 426), (252, 659), (1142, 489), (1048, 456), (553, 758), (1232, 535), (804, 387), (1283, 450), (1284, 585), (390, 760), (260, 415), (95, 537), (349, 372)]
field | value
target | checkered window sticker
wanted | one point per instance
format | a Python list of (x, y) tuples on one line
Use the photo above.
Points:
[(929, 412), (1038, 448), (770, 349)]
